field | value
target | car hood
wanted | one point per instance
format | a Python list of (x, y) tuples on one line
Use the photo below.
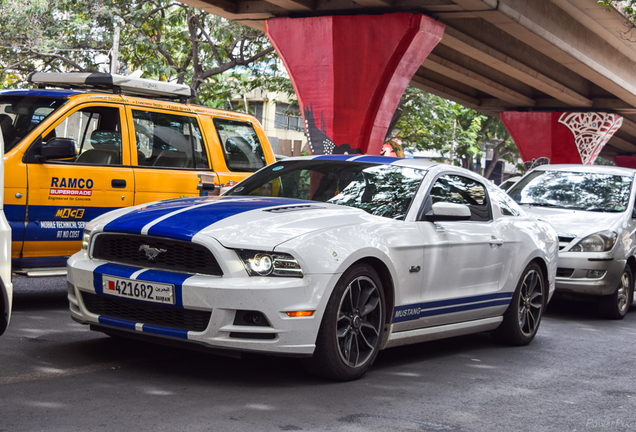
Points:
[(576, 223), (235, 222)]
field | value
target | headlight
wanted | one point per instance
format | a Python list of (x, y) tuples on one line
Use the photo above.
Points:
[(86, 237), (258, 263), (600, 242)]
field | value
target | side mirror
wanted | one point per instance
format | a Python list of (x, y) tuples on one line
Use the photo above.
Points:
[(58, 148), (445, 211)]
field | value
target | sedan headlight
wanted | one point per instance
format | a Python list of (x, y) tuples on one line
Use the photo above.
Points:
[(599, 242), (86, 238), (259, 263)]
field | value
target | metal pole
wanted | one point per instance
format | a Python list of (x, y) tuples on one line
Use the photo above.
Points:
[(115, 52)]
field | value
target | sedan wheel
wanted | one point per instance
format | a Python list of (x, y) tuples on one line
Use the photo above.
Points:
[(615, 306), (523, 316), (352, 327)]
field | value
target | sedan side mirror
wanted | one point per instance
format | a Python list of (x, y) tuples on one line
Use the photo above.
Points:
[(58, 148), (445, 211)]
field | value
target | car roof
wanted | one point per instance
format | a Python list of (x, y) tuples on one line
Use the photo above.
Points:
[(598, 169), (383, 160), (421, 164)]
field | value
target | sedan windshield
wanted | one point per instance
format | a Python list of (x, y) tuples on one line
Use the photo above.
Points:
[(574, 190), (382, 190), (19, 115)]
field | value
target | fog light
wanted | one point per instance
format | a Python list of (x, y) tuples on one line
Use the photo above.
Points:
[(298, 314), (595, 274)]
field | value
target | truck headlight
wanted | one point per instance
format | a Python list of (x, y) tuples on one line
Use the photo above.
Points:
[(259, 263), (86, 238), (599, 242)]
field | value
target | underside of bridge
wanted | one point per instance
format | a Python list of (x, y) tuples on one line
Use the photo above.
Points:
[(501, 56)]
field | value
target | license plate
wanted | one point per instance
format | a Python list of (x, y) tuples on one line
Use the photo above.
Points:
[(139, 290)]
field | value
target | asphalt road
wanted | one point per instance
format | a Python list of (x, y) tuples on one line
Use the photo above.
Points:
[(579, 374)]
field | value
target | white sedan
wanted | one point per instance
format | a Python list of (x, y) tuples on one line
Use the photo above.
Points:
[(345, 256)]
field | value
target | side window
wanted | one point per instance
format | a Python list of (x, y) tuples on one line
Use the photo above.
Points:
[(97, 135), (462, 190), (168, 141), (507, 205), (241, 147)]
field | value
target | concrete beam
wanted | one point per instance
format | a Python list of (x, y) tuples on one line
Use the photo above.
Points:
[(294, 5), (461, 74), (440, 90), (550, 30), (481, 52)]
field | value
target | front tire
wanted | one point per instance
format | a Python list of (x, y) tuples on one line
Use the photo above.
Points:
[(615, 306), (523, 316), (351, 329)]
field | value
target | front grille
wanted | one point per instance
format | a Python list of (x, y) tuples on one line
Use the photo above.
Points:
[(564, 272), (564, 241), (163, 316), (174, 255)]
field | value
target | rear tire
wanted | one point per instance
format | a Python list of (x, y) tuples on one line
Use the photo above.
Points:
[(351, 329), (615, 306), (523, 316)]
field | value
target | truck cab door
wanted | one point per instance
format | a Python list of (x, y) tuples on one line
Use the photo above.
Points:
[(66, 190)]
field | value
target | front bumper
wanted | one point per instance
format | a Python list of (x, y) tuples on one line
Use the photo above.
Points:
[(225, 299), (587, 273)]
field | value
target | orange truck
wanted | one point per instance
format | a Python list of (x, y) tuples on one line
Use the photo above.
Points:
[(82, 144)]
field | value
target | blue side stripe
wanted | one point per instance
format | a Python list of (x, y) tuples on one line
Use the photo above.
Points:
[(184, 226), (420, 310)]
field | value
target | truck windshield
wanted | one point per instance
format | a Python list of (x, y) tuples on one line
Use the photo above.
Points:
[(20, 114)]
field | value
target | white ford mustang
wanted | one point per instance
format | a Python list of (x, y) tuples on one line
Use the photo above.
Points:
[(330, 258)]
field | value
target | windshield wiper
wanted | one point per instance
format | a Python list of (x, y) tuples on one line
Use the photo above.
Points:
[(545, 205)]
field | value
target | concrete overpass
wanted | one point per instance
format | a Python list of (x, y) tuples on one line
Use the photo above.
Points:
[(501, 55)]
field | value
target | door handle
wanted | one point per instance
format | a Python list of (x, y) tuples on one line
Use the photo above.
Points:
[(118, 183), (496, 242)]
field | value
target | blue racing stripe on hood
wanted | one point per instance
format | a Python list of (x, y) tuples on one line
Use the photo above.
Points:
[(184, 226), (135, 220)]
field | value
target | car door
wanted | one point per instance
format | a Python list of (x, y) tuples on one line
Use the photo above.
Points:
[(64, 194), (463, 260), (170, 158)]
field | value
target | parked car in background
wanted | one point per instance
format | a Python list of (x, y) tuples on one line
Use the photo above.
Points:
[(507, 184), (82, 144), (592, 209), (346, 255), (6, 285)]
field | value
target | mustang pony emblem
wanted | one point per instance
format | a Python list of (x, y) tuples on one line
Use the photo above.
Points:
[(151, 252)]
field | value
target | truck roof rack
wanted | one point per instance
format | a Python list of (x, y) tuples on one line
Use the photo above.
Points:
[(116, 83)]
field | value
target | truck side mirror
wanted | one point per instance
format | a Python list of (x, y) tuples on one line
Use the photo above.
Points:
[(58, 148)]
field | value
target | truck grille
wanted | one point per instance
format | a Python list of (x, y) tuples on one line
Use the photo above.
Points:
[(170, 317), (174, 255)]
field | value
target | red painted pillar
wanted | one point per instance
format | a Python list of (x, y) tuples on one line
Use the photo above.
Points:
[(349, 73), (560, 137)]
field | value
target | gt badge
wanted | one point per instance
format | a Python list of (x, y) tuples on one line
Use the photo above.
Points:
[(151, 252)]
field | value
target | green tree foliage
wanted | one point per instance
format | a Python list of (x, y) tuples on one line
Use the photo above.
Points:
[(165, 39), (423, 121)]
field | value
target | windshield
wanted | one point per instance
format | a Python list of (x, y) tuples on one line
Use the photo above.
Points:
[(574, 190), (19, 115), (381, 190)]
